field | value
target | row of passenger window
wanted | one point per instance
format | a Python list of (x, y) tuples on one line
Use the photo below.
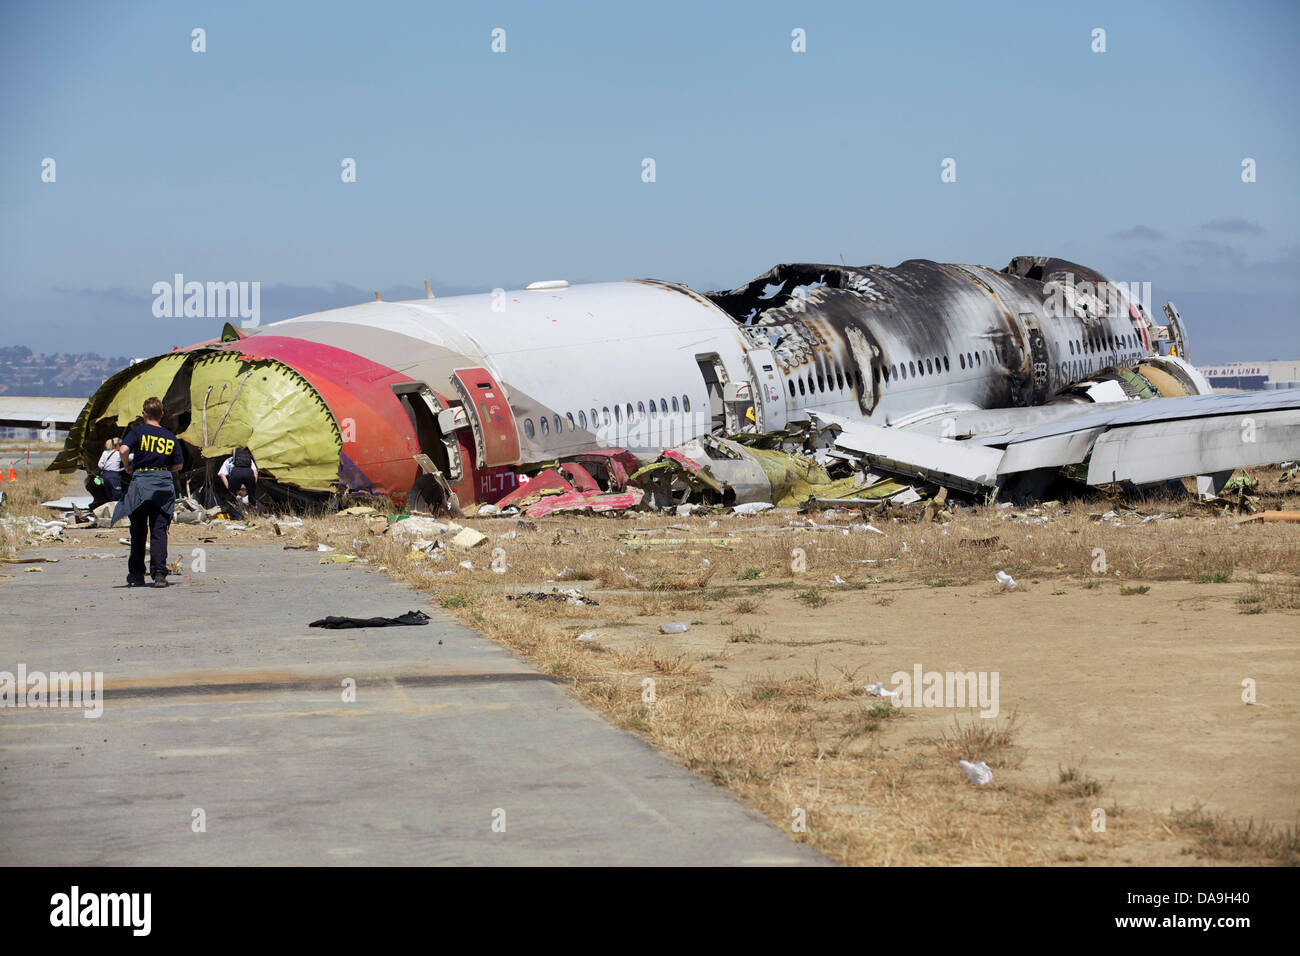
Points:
[(1102, 343), (606, 418), (833, 379), (938, 365)]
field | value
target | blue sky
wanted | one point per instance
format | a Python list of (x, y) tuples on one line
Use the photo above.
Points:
[(477, 170)]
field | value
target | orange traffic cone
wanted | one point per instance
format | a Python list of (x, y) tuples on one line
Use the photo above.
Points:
[(12, 476)]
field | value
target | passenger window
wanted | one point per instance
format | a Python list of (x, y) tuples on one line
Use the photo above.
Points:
[(789, 384), (559, 425), (604, 410), (529, 430), (911, 369), (640, 411), (663, 407), (652, 408), (821, 382), (618, 414), (961, 360), (546, 426), (801, 389), (978, 360), (572, 423), (675, 406), (582, 418), (686, 403), (630, 413), (947, 367)]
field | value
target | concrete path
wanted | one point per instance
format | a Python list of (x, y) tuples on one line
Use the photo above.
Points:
[(220, 699)]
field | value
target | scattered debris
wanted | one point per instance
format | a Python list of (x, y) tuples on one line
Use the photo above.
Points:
[(1272, 516), (571, 487), (566, 595), (677, 627), (879, 690), (1007, 581), (468, 538), (978, 773), (587, 637)]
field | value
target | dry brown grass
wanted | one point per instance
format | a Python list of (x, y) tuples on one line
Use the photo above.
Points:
[(23, 496)]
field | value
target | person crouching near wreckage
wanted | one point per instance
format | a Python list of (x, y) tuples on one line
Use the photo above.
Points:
[(150, 454), (239, 471)]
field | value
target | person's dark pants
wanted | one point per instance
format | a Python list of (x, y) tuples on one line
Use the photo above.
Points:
[(242, 478), (113, 479), (152, 521)]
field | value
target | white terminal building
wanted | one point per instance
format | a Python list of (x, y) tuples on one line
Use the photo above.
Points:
[(1253, 376)]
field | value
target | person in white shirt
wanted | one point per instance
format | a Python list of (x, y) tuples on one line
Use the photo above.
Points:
[(237, 472), (110, 468)]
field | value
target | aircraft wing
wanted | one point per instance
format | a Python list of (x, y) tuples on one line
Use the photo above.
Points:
[(29, 412), (1142, 441)]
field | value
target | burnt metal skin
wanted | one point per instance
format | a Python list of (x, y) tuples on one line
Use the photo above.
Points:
[(827, 322)]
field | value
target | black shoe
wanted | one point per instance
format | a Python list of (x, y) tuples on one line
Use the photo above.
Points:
[(160, 581), (135, 581)]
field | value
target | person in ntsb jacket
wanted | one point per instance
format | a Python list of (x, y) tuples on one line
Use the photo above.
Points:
[(150, 453)]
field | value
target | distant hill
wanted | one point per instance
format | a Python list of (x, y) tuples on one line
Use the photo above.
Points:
[(65, 375)]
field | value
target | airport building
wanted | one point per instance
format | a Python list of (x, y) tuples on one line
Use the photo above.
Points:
[(1253, 376)]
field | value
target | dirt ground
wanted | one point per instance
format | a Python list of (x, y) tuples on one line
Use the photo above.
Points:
[(1148, 671)]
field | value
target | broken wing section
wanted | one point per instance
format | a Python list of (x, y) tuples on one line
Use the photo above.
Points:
[(1142, 442)]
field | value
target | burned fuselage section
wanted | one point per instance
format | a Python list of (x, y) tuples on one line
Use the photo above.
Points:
[(925, 334)]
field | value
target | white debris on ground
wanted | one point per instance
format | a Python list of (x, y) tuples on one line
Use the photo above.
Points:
[(879, 690), (36, 527), (422, 528), (677, 627), (978, 773), (1007, 581)]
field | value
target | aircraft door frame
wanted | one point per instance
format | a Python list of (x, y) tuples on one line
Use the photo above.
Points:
[(436, 408), (1040, 370), (766, 391)]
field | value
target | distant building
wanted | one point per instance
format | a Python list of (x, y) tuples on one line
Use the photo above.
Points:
[(1253, 376)]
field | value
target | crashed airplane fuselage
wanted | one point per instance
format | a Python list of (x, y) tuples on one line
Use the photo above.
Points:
[(428, 398)]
